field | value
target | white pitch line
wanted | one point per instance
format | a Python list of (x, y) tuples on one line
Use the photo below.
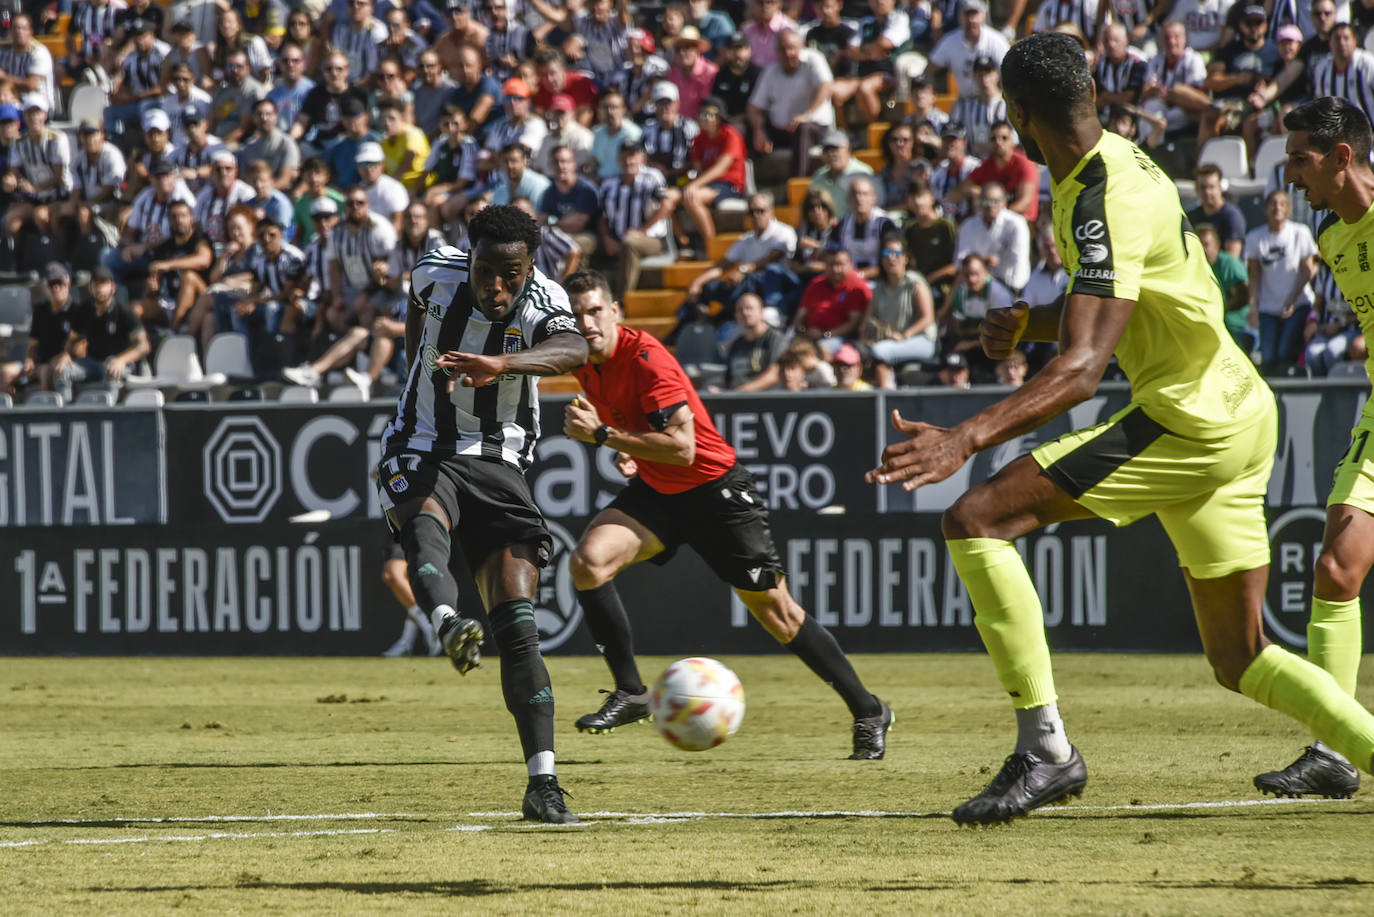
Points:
[(182, 838), (154, 820)]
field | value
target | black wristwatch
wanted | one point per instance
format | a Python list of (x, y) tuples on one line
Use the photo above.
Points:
[(601, 434)]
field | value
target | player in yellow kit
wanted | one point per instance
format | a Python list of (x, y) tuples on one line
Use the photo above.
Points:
[(1195, 446), (1328, 157)]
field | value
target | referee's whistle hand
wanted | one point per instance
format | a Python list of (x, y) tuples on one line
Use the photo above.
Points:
[(1001, 330), (580, 420)]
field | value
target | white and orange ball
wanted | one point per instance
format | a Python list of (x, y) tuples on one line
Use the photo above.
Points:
[(697, 703)]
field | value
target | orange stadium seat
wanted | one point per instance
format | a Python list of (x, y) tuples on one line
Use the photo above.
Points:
[(678, 276), (875, 134), (658, 327), (721, 244), (796, 188), (652, 303)]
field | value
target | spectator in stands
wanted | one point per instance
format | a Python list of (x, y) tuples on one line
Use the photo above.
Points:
[(982, 112), (690, 71), (147, 224), (954, 372), (604, 29), (27, 64), (899, 326), (1215, 209), (1081, 14), (302, 35), (138, 83), (1010, 168), (194, 155), (556, 79), (715, 26), (839, 171), (324, 217), (275, 300), (106, 340), (861, 230), (1174, 81), (403, 44), (636, 207), (1281, 261), (521, 124), (1316, 33), (849, 368), (515, 178), (328, 105), (894, 181), (224, 192), (765, 29), (432, 90), (832, 34), (559, 255), (1205, 20), (509, 43), (881, 36), (790, 106), (358, 36), (738, 75), (291, 87), (231, 277), (386, 196), (718, 158), (668, 136), (564, 131), (157, 146), (464, 32), (389, 85), (641, 71), (1000, 235), (97, 176), (361, 254), (54, 319), (834, 303), (765, 247), (231, 39), (1348, 73), (957, 50), (342, 154), (930, 242), (314, 187), (817, 220), (952, 171), (755, 350), (451, 169), (1012, 371), (1333, 335), (570, 202), (1049, 279), (151, 13), (404, 145), (614, 131), (92, 26), (976, 292), (1270, 100), (268, 202), (184, 254), (798, 369), (40, 168), (1235, 288), (1119, 74), (237, 95), (478, 94), (1236, 70), (272, 145)]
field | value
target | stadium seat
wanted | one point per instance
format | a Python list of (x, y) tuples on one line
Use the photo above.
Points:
[(658, 327), (6, 401), (565, 384), (298, 394), (680, 275), (699, 353), (176, 366), (653, 303), (347, 394), (227, 355), (741, 204), (1228, 154), (145, 398), (876, 130), (1349, 369), (1270, 153), (667, 257), (871, 158), (720, 244), (16, 315), (87, 101), (797, 188), (96, 398), (43, 401)]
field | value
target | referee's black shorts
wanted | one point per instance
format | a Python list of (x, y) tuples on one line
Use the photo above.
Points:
[(725, 521), (488, 502)]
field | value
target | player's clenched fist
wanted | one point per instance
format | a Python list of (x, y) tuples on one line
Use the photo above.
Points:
[(1001, 330)]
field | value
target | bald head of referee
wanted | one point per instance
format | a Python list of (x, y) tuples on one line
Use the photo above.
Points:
[(1051, 100), (1328, 155)]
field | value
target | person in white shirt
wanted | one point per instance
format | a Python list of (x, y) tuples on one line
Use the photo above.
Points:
[(564, 130), (790, 105), (26, 65), (1281, 257), (1205, 20), (1001, 236), (955, 53), (98, 174), (386, 196), (1049, 279), (1347, 72), (769, 242), (1174, 80), (358, 258)]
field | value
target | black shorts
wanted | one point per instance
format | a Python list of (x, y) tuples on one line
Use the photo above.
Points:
[(725, 521), (488, 503)]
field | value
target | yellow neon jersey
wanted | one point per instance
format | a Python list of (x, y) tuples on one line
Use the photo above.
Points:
[(1345, 249)]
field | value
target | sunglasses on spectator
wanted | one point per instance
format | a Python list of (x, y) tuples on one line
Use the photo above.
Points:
[(893, 253), (758, 210)]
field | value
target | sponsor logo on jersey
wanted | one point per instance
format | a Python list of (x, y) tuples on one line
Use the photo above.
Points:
[(1362, 252), (1090, 231), (398, 483), (1095, 273), (1093, 253), (511, 341), (560, 324)]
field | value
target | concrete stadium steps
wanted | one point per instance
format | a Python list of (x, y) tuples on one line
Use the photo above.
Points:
[(649, 304)]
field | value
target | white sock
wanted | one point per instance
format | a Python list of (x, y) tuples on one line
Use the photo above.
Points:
[(408, 631), (418, 616), (1319, 745), (438, 615), (1040, 730), (541, 763)]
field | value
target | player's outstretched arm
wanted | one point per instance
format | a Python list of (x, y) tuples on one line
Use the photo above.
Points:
[(558, 354), (674, 444), (1090, 329)]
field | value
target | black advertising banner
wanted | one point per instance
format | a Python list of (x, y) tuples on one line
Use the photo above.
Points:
[(81, 468)]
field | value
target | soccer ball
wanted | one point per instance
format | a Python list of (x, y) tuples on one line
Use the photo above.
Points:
[(697, 703)]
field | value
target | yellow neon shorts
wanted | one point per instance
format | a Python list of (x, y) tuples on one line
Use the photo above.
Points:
[(1353, 481), (1208, 494)]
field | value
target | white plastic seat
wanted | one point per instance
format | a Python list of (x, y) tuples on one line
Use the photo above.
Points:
[(298, 394), (96, 398), (145, 398), (347, 394), (1348, 369), (44, 401), (228, 356), (1272, 152)]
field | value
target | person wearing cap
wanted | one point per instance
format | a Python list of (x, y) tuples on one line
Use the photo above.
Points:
[(40, 169), (26, 66), (54, 317), (849, 369), (177, 271), (194, 155), (555, 79), (790, 106), (97, 176), (521, 124), (156, 147), (1237, 69), (839, 170), (1272, 99), (636, 208), (105, 342), (736, 79), (668, 136), (275, 301), (138, 83), (978, 113), (833, 303), (135, 15), (564, 131), (690, 71), (326, 107), (323, 220), (955, 53), (386, 196), (954, 167), (953, 372), (221, 194), (718, 158), (182, 95)]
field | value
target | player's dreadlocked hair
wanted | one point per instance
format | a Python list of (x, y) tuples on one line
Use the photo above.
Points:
[(1047, 74), (1329, 121), (504, 225)]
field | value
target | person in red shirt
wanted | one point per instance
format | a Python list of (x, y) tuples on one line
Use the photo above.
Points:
[(718, 157), (834, 302), (686, 488), (1008, 167), (555, 78)]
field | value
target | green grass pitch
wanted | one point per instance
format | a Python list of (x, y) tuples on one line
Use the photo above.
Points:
[(344, 786)]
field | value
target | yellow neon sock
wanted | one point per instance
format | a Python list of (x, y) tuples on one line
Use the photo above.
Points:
[(1335, 639), (1009, 617), (1294, 686)]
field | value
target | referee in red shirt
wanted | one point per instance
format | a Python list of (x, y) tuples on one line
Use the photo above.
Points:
[(685, 489)]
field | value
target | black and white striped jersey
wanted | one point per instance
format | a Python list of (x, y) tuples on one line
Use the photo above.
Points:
[(1082, 14), (669, 145), (496, 422), (1127, 76), (149, 214), (357, 247), (359, 46), (95, 23), (406, 253), (280, 273), (516, 40), (555, 246), (93, 174), (863, 241), (607, 43), (183, 157), (317, 266), (35, 60), (978, 115), (625, 204), (212, 207), (1355, 85), (40, 159), (143, 72)]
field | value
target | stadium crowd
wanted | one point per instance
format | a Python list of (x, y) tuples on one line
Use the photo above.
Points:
[(275, 170)]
